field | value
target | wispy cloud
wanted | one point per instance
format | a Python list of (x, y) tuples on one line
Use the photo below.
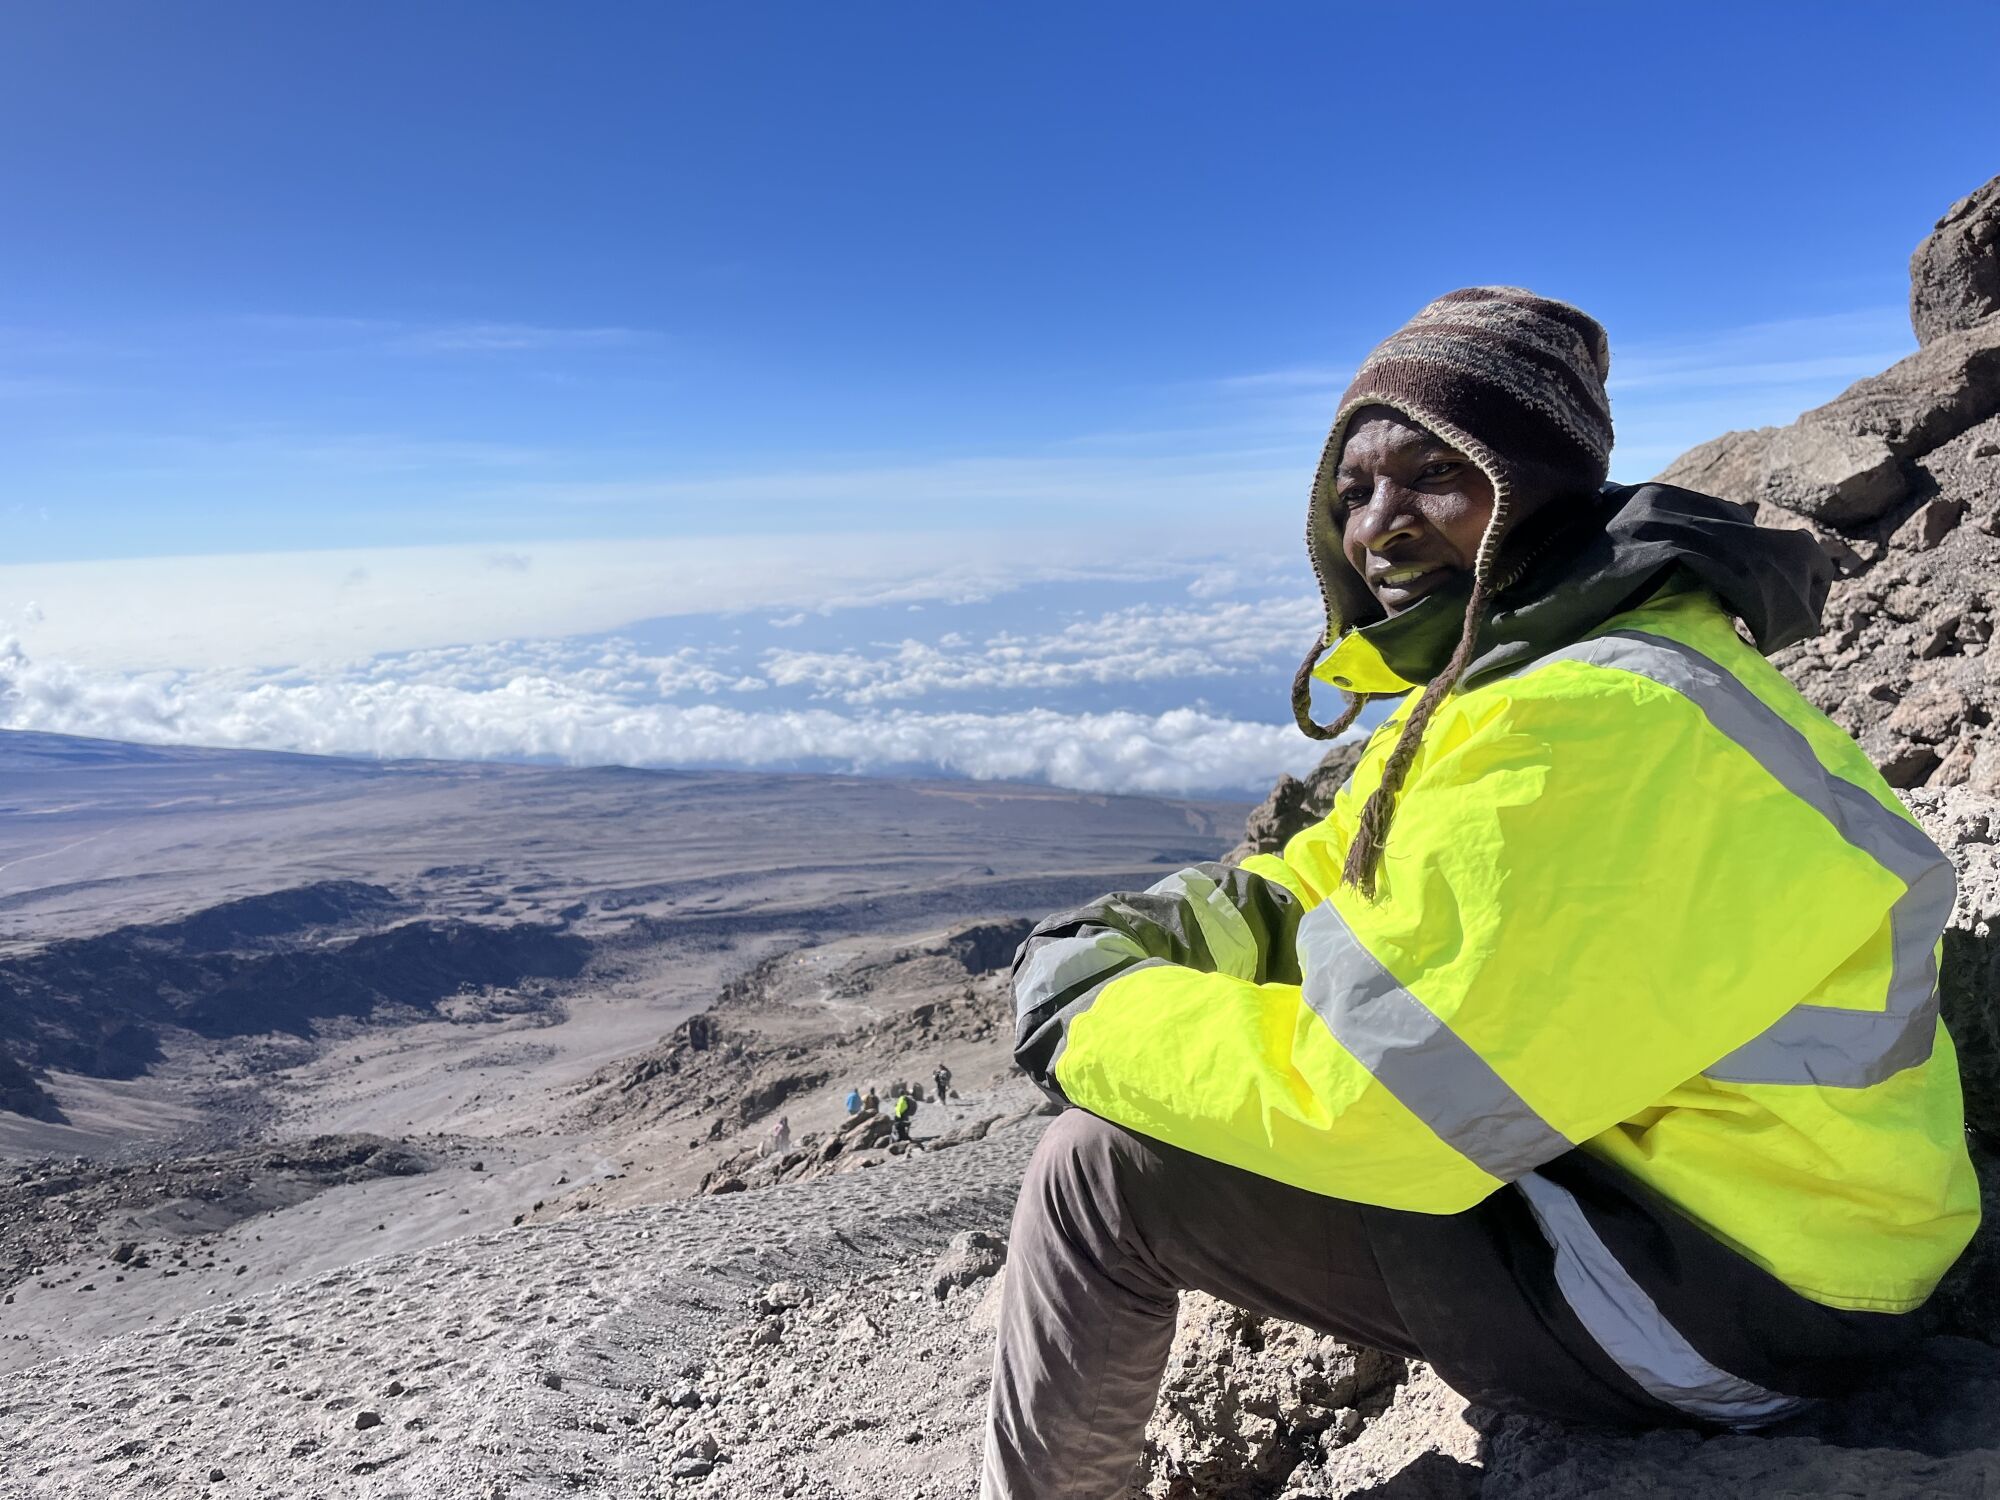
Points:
[(1295, 378), (1669, 395), (1216, 479), (501, 338), (1794, 352), (403, 336)]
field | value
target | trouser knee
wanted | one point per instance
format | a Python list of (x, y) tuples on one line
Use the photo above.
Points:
[(1090, 1183), (1081, 1158)]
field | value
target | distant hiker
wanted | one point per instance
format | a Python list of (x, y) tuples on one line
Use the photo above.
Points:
[(854, 1101), (906, 1108), (1587, 1049), (942, 1078), (870, 1104), (781, 1135)]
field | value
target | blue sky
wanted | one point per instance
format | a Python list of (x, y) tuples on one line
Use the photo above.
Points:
[(1009, 296)]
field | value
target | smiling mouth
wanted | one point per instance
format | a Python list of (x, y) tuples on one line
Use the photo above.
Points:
[(1395, 577), (1396, 589)]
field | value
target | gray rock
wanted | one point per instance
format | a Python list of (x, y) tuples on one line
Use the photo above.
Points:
[(972, 1256), (1921, 403), (1296, 804), (1819, 471), (1955, 272), (1246, 1399), (1730, 467), (1966, 825), (363, 1420), (780, 1296), (1837, 477)]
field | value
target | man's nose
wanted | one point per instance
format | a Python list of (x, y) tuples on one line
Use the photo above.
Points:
[(1389, 517)]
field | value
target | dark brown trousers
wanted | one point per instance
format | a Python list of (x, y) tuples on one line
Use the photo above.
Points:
[(1112, 1226)]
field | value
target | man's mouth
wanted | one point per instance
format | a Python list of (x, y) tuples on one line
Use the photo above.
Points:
[(1400, 586)]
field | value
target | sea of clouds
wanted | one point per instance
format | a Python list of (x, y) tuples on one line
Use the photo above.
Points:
[(1174, 684)]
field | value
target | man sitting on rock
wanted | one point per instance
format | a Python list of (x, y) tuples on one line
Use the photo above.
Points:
[(1587, 1049)]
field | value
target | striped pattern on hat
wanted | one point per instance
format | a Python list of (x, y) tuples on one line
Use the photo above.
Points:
[(1512, 379)]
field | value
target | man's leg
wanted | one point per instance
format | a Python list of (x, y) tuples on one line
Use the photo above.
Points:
[(1110, 1227)]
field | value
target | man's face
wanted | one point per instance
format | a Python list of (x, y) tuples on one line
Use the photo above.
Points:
[(1410, 507)]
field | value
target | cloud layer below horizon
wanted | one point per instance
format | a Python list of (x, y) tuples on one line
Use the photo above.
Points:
[(1167, 685)]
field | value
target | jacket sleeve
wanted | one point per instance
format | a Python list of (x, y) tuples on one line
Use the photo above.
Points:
[(1586, 899), (1209, 919)]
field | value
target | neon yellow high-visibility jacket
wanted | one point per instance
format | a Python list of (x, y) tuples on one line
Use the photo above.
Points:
[(1639, 898)]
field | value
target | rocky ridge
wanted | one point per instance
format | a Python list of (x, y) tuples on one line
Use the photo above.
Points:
[(1899, 479)]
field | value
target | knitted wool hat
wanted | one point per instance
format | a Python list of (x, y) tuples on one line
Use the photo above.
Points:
[(1516, 383)]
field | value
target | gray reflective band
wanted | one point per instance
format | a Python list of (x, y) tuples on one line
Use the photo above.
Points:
[(1232, 946), (1628, 1325), (1813, 1044), (1066, 963), (1064, 1016), (1412, 1053)]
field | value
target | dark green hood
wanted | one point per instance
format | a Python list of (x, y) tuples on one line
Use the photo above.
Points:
[(1587, 563)]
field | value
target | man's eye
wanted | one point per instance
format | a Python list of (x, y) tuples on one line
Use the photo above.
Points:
[(1439, 469)]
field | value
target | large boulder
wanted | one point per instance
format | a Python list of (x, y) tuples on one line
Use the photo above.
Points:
[(1848, 463), (1730, 466), (1922, 402), (1955, 272), (1831, 473)]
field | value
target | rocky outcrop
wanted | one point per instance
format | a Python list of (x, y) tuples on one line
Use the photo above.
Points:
[(1966, 825), (1248, 1402), (46, 1207), (985, 947), (1295, 804), (1955, 272), (1851, 462), (1899, 478)]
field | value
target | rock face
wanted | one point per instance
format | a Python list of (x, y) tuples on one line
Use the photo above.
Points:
[(1966, 825), (1955, 273), (1899, 478), (1248, 1401), (1856, 460), (1295, 804)]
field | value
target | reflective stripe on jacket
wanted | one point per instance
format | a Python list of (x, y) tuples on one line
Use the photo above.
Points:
[(1639, 897)]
